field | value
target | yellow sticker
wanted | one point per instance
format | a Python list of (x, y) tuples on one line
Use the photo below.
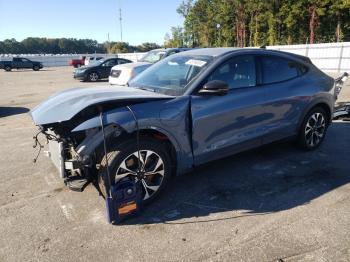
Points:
[(127, 208)]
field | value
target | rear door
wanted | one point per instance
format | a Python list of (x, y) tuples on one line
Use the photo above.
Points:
[(223, 125), (286, 95)]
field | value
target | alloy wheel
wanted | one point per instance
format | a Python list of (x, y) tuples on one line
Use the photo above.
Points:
[(315, 129), (93, 76), (150, 173)]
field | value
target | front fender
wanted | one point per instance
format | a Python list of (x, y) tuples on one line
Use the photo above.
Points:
[(120, 116), (170, 118)]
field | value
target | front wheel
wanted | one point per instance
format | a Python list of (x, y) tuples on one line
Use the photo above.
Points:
[(124, 159), (313, 129), (8, 68), (36, 68), (93, 77)]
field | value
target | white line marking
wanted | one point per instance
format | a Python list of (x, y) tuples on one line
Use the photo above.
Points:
[(67, 210)]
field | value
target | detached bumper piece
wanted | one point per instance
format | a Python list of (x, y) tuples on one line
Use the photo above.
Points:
[(76, 184), (75, 181), (342, 112), (75, 176)]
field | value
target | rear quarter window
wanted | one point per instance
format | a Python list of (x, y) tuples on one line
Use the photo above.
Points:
[(276, 69)]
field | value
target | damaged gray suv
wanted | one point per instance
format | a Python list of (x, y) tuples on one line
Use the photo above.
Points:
[(188, 109)]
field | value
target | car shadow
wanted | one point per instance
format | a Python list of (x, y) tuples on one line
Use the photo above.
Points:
[(259, 182), (28, 70), (9, 111)]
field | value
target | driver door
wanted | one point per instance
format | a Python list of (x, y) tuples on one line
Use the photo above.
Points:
[(223, 125), (26, 63)]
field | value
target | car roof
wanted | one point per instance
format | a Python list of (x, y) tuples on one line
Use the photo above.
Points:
[(220, 51), (211, 51), (172, 48)]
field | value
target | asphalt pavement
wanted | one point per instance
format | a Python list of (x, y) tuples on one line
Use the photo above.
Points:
[(274, 203)]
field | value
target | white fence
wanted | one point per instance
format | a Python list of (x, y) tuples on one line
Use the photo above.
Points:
[(330, 57), (63, 60)]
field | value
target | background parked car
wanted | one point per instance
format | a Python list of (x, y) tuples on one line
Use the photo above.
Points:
[(121, 74), (20, 63), (98, 70), (77, 62)]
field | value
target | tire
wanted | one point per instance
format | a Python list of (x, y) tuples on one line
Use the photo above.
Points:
[(313, 129), (36, 68), (158, 163), (77, 65), (93, 77), (8, 68)]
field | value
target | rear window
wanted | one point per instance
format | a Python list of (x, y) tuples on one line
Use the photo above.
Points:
[(123, 61), (277, 69)]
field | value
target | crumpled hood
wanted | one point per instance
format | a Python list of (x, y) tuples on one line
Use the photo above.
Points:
[(63, 105)]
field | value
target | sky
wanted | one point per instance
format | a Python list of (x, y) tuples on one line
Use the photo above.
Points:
[(142, 20)]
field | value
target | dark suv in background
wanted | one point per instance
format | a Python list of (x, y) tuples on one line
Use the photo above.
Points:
[(20, 63)]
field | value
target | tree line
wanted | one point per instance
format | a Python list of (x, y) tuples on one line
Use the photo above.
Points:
[(36, 45), (255, 22)]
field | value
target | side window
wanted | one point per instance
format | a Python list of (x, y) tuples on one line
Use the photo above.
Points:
[(276, 69), (112, 62), (237, 72), (122, 61)]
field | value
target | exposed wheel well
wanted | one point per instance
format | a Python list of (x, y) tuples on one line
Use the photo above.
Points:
[(162, 138), (326, 108)]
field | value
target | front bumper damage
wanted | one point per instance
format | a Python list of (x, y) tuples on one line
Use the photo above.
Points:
[(56, 154), (77, 164)]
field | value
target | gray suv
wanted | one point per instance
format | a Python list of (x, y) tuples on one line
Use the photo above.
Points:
[(189, 108)]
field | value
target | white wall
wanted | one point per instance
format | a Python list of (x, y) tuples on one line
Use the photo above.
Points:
[(329, 57), (63, 60)]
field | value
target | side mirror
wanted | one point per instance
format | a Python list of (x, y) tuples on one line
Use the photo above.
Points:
[(214, 87)]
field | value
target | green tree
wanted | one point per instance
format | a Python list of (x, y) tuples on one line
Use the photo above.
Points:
[(176, 39), (120, 47), (145, 47)]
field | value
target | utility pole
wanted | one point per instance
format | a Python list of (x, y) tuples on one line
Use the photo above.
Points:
[(120, 21), (109, 44)]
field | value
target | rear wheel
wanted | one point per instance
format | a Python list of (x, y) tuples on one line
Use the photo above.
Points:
[(93, 77), (155, 166), (313, 129), (8, 68)]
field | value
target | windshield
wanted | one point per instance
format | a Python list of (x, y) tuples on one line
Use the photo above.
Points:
[(153, 56), (172, 75)]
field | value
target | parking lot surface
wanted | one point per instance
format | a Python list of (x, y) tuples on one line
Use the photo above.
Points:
[(274, 203)]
